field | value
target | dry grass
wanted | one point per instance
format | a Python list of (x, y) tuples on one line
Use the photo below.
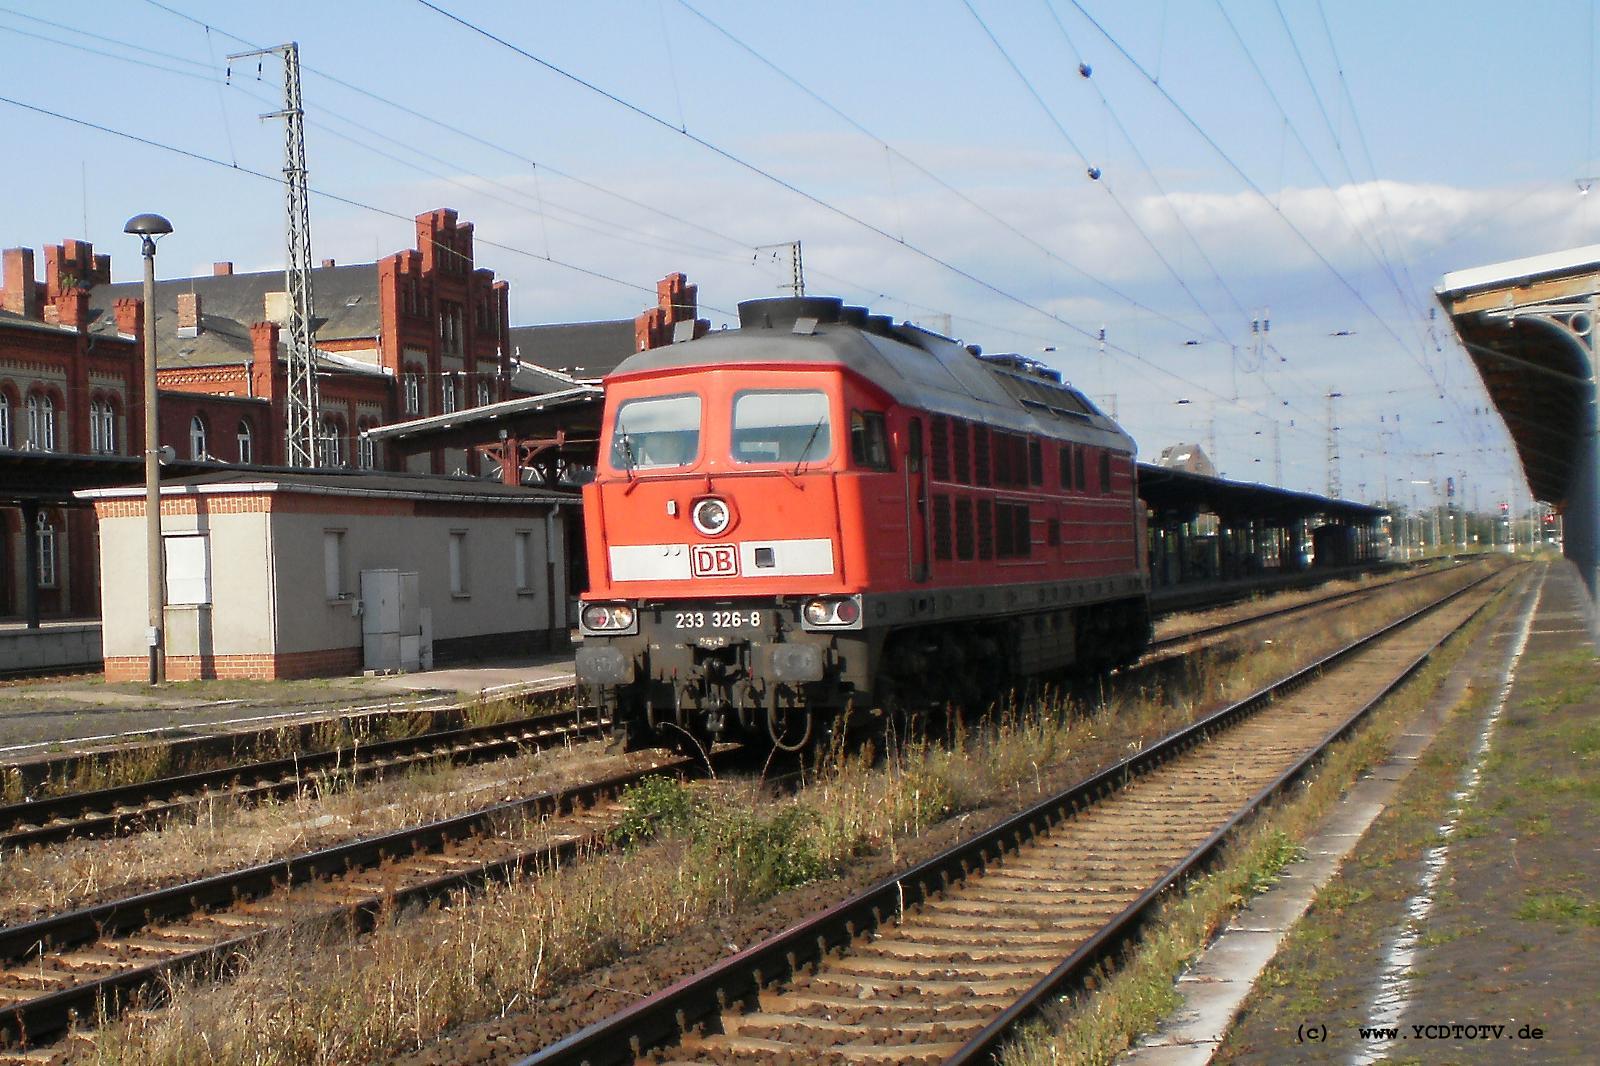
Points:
[(331, 1002), (223, 835)]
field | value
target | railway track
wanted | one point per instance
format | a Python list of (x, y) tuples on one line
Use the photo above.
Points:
[(145, 805), (87, 964), (937, 964), (1164, 647)]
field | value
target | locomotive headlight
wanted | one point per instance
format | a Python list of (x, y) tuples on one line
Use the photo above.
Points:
[(711, 516), (608, 618), (832, 612)]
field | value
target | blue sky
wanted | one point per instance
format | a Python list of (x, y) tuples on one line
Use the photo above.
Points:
[(1327, 161)]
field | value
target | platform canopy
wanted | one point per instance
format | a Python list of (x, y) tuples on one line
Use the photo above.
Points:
[(1529, 326)]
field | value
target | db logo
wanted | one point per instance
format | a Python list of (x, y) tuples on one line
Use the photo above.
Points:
[(714, 560)]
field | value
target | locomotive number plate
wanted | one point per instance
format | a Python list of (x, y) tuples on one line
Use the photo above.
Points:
[(716, 619)]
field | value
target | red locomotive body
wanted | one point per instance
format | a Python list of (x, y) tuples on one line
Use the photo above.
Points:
[(823, 512)]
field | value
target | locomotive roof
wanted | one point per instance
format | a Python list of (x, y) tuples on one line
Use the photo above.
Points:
[(916, 367)]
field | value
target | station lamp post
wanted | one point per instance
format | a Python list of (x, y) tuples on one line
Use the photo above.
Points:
[(148, 228)]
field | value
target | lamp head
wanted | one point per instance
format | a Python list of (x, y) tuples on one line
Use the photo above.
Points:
[(148, 227)]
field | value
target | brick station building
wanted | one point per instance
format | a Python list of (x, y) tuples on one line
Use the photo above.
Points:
[(420, 333)]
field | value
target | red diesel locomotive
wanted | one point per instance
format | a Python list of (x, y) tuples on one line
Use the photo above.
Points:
[(822, 513)]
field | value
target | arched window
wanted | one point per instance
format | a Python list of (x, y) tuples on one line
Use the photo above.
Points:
[(41, 423), (330, 445), (108, 427), (247, 443), (5, 420), (102, 427), (411, 381), (366, 449), (197, 438), (449, 393), (46, 534), (484, 393)]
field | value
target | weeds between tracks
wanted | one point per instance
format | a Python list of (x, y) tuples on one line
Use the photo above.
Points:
[(715, 850)]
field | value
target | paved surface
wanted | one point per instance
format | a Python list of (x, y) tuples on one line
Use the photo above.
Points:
[(47, 717)]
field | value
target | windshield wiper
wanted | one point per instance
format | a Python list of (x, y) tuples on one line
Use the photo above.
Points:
[(806, 451), (627, 455)]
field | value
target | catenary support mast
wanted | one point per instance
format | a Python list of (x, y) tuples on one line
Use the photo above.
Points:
[(300, 435)]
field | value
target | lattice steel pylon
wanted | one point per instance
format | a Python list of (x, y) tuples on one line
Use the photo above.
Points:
[(300, 434), (1335, 482)]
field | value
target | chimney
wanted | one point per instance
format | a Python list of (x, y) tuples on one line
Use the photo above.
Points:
[(328, 263), (21, 290), (130, 316), (222, 268), (188, 314), (264, 359), (72, 308)]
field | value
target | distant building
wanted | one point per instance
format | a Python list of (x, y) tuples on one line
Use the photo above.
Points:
[(420, 332), (555, 356), (1190, 458)]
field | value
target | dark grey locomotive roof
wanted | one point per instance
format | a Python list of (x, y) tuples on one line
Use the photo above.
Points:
[(914, 366)]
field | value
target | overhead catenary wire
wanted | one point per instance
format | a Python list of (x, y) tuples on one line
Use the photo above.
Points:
[(928, 172), (536, 167), (849, 216), (1055, 121), (1243, 176), (325, 194)]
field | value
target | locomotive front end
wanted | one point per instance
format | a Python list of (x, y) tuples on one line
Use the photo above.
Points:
[(718, 606)]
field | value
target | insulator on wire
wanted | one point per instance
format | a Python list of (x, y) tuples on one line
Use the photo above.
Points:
[(1094, 173), (1085, 70)]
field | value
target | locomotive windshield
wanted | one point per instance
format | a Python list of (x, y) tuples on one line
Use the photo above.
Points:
[(660, 431), (781, 427)]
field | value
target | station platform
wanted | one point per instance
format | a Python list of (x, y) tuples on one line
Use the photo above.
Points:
[(1448, 909), (49, 646), (47, 718)]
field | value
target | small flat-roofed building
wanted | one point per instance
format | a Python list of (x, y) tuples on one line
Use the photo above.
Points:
[(288, 574)]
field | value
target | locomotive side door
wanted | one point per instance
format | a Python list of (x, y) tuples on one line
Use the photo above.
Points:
[(918, 530)]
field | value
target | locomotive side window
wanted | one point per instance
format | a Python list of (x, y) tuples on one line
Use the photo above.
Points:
[(1002, 459), (1035, 462), (939, 445), (1066, 466), (986, 529), (781, 427), (1105, 473), (659, 431), (869, 440), (1079, 481), (963, 529), (980, 455)]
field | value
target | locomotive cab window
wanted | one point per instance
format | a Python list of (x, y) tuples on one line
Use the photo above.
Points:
[(781, 427), (656, 432), (869, 440)]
